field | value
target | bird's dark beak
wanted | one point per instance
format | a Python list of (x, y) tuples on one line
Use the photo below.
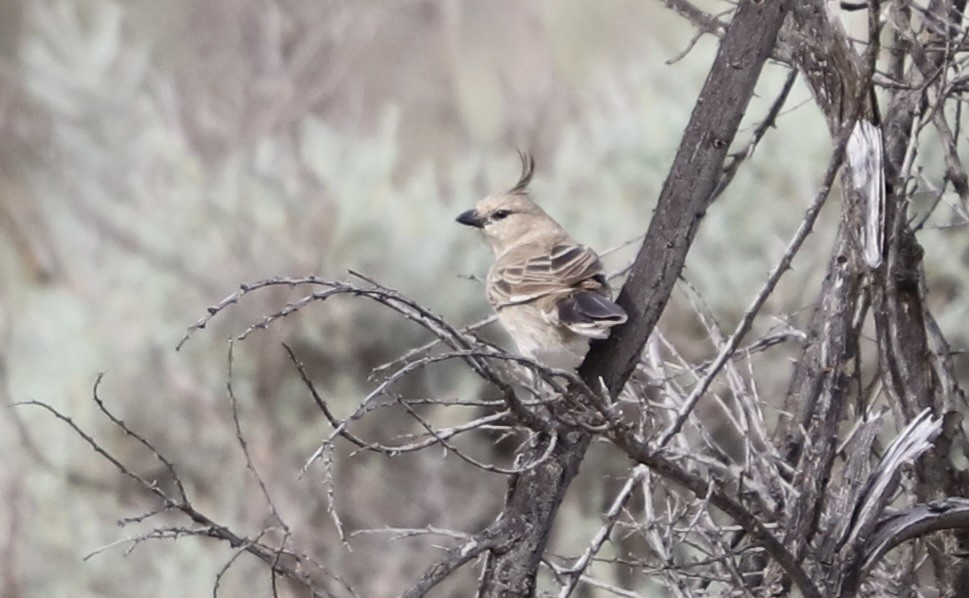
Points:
[(471, 218)]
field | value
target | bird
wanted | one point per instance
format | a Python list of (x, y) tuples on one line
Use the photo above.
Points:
[(549, 292)]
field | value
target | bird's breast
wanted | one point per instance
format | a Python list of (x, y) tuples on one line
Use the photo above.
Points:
[(537, 338)]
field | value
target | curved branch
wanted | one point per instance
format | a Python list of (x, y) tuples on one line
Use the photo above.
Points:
[(914, 522)]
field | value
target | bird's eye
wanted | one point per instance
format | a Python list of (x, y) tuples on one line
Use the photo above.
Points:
[(501, 214)]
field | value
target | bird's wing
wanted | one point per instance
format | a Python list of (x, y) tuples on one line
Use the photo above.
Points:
[(527, 274)]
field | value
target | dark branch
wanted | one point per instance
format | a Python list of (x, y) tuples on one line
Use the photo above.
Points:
[(535, 495), (914, 522)]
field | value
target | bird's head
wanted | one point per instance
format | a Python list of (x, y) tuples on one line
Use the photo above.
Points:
[(506, 218)]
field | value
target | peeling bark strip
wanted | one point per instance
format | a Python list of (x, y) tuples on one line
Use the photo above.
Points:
[(865, 154), (535, 496)]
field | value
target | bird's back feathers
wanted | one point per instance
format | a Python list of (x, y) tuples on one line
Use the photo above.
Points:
[(563, 282), (528, 271)]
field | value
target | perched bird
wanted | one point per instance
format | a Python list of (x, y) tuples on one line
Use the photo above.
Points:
[(550, 293)]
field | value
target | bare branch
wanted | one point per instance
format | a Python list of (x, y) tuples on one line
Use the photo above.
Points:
[(730, 347), (292, 568), (535, 496), (575, 572), (914, 522)]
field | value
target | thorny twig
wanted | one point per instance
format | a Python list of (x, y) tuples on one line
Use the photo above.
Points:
[(294, 567)]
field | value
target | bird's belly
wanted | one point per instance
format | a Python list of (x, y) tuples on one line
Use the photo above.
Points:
[(554, 346)]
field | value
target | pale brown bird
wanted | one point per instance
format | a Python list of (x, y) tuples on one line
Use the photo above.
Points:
[(550, 293)]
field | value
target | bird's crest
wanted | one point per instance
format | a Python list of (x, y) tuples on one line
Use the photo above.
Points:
[(528, 168)]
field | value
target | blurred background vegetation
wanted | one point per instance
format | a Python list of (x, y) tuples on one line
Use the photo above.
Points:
[(154, 155)]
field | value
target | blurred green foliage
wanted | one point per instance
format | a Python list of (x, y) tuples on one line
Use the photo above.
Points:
[(167, 151)]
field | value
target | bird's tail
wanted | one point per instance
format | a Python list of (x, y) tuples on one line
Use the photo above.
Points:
[(590, 314)]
